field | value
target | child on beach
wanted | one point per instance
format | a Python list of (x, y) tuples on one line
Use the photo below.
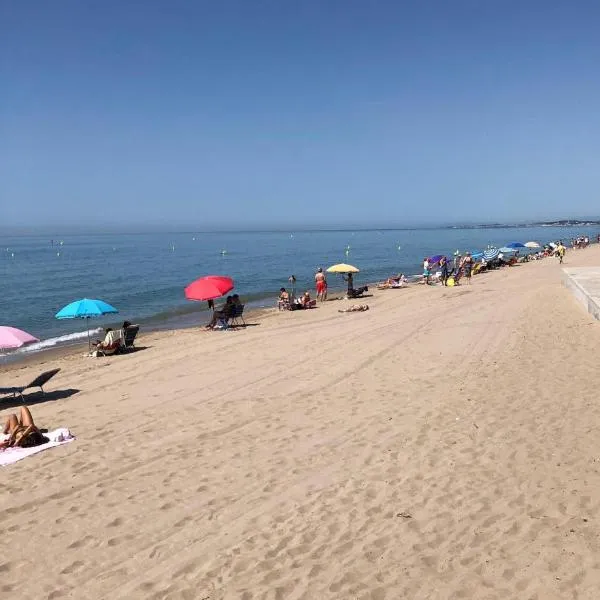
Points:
[(426, 271)]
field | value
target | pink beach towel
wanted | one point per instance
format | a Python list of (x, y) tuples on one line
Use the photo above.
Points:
[(58, 437)]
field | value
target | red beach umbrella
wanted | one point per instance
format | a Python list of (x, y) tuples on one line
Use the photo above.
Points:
[(208, 288)]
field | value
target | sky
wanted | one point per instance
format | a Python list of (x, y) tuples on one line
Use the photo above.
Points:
[(268, 113)]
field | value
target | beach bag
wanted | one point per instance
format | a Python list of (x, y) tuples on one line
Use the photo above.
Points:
[(450, 282)]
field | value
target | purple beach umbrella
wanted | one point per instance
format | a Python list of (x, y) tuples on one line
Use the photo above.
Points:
[(435, 259)]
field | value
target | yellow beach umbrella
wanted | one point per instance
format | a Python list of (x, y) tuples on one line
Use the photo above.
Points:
[(342, 268)]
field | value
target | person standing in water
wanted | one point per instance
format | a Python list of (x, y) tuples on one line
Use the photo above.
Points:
[(321, 284)]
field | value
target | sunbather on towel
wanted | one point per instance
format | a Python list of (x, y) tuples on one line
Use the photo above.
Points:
[(355, 308), (22, 431), (396, 281)]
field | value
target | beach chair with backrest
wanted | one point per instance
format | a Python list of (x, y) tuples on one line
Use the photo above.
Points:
[(39, 381), (237, 316), (129, 338), (112, 344)]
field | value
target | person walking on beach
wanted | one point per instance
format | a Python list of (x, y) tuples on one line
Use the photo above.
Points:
[(560, 252), (467, 266), (321, 285), (426, 271), (444, 269)]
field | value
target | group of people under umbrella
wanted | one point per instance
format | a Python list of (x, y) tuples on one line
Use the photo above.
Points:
[(12, 338), (451, 271), (289, 301), (208, 289), (205, 289)]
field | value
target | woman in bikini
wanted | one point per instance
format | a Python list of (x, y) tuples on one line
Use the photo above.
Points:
[(467, 265), (22, 431)]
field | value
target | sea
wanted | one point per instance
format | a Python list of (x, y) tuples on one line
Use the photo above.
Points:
[(144, 275)]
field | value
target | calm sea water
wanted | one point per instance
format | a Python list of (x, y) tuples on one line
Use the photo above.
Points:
[(143, 275)]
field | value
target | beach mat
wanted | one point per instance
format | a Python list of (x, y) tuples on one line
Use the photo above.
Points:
[(58, 437)]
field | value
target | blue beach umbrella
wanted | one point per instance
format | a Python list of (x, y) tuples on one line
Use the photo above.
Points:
[(515, 245), (507, 250), (85, 309)]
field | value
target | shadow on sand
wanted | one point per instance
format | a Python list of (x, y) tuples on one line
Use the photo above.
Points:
[(37, 398)]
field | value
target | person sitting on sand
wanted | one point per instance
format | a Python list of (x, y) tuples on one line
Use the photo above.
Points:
[(22, 432), (284, 299), (306, 301), (224, 313)]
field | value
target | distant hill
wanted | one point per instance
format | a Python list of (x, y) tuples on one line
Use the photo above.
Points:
[(559, 223)]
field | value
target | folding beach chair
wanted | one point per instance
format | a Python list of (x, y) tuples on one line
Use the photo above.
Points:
[(129, 334), (237, 315), (39, 381)]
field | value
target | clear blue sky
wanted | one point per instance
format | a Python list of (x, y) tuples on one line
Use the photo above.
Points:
[(263, 113)]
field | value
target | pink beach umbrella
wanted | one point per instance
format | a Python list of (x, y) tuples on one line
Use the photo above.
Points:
[(11, 337)]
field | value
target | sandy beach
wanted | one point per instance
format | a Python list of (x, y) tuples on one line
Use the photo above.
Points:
[(442, 445)]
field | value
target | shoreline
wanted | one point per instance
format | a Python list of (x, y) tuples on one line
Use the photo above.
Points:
[(169, 317), (18, 360), (21, 360)]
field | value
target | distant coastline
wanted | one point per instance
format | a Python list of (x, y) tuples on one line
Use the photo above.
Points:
[(54, 232), (560, 223)]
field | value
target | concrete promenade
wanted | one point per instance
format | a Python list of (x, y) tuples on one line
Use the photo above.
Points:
[(584, 283)]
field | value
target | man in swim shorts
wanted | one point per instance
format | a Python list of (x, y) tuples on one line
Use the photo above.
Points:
[(321, 284)]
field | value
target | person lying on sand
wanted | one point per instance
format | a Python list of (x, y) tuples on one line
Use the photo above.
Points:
[(395, 281), (22, 431), (355, 308)]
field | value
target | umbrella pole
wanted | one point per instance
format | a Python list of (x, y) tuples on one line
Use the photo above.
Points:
[(87, 320)]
